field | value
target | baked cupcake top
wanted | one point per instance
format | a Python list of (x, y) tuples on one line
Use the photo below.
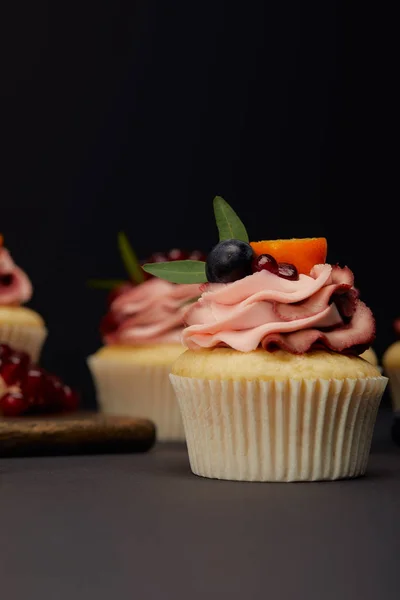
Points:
[(146, 310), (15, 285), (273, 295)]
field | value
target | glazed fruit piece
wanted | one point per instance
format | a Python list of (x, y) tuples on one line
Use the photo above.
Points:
[(304, 253), (229, 261), (28, 389)]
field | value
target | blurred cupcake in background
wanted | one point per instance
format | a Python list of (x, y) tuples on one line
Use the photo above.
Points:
[(21, 328), (142, 338), (391, 367)]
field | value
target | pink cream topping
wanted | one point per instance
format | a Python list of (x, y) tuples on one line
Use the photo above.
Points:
[(150, 313), (15, 286), (320, 310)]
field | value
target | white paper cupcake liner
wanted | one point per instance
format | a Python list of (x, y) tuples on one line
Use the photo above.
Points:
[(295, 430), (24, 338), (394, 387), (138, 391)]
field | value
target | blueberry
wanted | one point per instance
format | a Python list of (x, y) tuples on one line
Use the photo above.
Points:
[(228, 261)]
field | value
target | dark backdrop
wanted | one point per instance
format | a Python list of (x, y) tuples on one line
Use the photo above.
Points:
[(133, 114)]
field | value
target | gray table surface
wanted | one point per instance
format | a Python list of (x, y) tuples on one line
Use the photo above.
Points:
[(105, 527)]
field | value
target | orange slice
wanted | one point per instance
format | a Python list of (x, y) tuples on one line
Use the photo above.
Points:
[(304, 253)]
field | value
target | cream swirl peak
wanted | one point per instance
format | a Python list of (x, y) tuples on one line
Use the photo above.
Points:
[(319, 310), (15, 285), (149, 313)]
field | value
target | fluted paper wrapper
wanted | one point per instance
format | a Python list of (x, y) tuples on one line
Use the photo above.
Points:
[(294, 430), (24, 338), (394, 386), (133, 390)]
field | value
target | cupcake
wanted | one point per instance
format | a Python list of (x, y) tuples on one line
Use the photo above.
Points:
[(391, 367), (141, 333), (272, 387), (21, 328)]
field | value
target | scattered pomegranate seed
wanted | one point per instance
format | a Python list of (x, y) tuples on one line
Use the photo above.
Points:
[(13, 404), (288, 271), (5, 351), (32, 387), (265, 262), (52, 392), (13, 368), (69, 399)]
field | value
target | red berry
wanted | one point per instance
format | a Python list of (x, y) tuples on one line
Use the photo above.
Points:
[(32, 387), (197, 255), (14, 367), (288, 271), (118, 291), (69, 399), (52, 392), (158, 257), (13, 404), (265, 262), (177, 254), (5, 351)]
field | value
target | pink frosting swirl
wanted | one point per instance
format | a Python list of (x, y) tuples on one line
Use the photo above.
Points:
[(150, 313), (15, 286), (264, 310)]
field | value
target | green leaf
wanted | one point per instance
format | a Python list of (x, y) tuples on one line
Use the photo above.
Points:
[(129, 259), (179, 271), (228, 223), (105, 284)]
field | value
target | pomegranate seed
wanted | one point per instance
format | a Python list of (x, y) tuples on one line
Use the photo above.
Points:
[(32, 387), (52, 392), (118, 291), (197, 255), (13, 404), (177, 254), (69, 398), (288, 271), (14, 367), (5, 351), (265, 262), (158, 257)]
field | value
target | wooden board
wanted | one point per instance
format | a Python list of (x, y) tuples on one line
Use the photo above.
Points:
[(89, 433)]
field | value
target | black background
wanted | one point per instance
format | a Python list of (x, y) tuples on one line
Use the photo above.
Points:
[(134, 114)]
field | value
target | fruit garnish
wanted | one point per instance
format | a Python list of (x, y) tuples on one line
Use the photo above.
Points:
[(13, 404), (229, 261), (14, 366), (304, 253), (265, 262), (230, 228), (31, 389), (288, 271)]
